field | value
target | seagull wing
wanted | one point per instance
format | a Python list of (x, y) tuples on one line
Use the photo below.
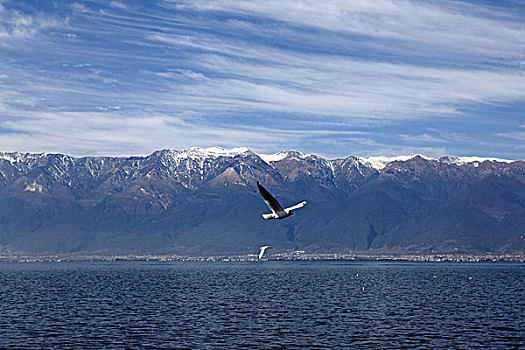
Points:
[(271, 202), (261, 252), (298, 205)]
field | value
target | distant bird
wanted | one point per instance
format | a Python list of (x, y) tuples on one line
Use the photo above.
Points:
[(277, 211), (263, 249)]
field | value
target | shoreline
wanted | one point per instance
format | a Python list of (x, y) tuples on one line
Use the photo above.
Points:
[(348, 257)]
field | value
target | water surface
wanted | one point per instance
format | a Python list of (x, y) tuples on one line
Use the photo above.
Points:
[(261, 305)]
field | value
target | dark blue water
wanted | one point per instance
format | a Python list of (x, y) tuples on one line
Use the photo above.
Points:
[(261, 305)]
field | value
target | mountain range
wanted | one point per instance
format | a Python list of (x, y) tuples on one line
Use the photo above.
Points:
[(201, 202)]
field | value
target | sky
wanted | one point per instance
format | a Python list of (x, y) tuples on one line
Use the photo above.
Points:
[(333, 77)]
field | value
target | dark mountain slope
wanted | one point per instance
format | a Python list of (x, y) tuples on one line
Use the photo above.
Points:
[(201, 202)]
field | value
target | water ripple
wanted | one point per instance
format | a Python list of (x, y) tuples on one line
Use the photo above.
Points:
[(271, 305)]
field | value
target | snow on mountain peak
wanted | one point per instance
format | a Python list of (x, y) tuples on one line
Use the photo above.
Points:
[(17, 157), (468, 160), (281, 155), (273, 157), (380, 162), (210, 152), (10, 157), (219, 151)]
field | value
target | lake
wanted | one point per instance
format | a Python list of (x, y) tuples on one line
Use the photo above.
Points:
[(261, 305)]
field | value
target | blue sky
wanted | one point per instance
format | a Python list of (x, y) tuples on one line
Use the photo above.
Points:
[(334, 78)]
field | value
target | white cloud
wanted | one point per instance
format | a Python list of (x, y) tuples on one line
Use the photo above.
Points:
[(297, 68), (449, 25), (517, 135), (113, 133), (17, 25), (342, 86), (422, 138), (118, 5)]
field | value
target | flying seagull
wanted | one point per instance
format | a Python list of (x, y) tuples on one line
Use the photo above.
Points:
[(263, 249), (277, 211)]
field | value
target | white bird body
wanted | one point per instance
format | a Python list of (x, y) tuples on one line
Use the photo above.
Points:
[(277, 211), (263, 249)]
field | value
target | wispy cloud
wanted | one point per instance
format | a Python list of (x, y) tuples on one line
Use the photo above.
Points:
[(94, 133), (422, 139), (17, 25), (329, 77), (118, 5), (441, 24), (343, 86), (515, 135)]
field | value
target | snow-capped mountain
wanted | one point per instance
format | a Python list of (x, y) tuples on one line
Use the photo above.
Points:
[(205, 162), (204, 200)]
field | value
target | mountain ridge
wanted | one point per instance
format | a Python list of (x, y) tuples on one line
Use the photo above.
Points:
[(204, 201)]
